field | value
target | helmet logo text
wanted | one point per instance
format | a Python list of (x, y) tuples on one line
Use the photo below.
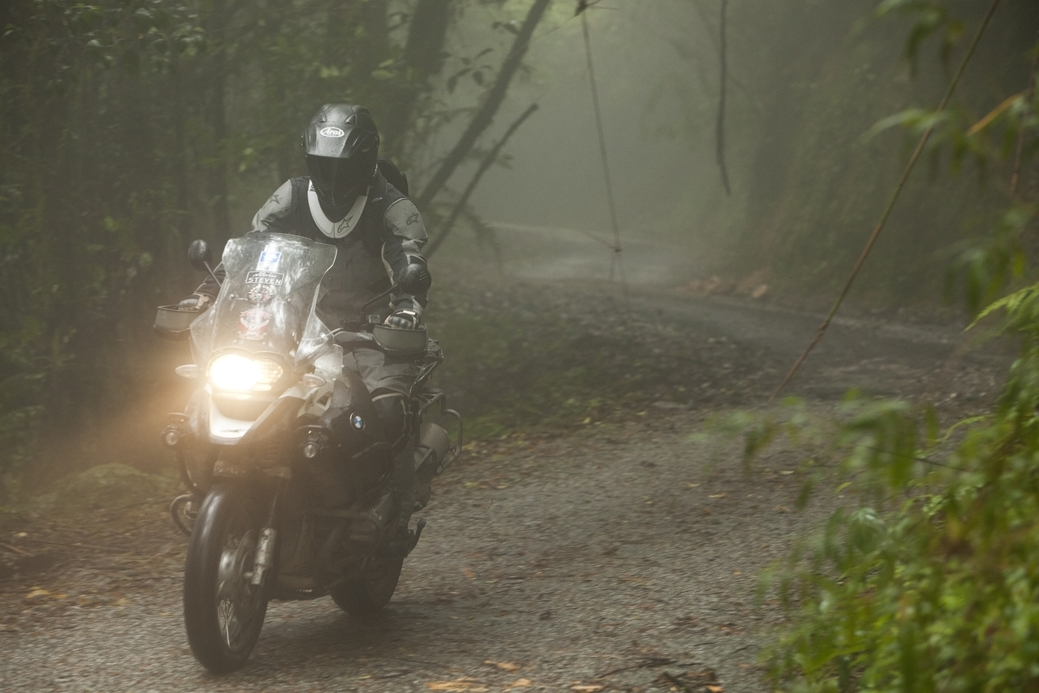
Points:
[(331, 132)]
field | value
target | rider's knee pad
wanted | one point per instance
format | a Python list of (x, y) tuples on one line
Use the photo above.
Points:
[(393, 414)]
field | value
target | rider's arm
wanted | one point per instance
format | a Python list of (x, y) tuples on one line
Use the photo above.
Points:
[(403, 237), (272, 216)]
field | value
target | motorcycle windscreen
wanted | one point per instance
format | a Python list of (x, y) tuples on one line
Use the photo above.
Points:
[(267, 300)]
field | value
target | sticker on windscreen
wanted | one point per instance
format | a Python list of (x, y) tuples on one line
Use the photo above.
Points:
[(260, 293), (269, 260), (253, 324), (272, 278)]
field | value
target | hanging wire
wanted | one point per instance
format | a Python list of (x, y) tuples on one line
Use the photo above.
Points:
[(617, 260), (891, 204), (724, 60)]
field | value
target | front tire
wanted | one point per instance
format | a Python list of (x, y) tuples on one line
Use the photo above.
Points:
[(366, 595), (223, 611)]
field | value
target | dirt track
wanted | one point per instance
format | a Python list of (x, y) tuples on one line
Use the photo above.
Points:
[(603, 557)]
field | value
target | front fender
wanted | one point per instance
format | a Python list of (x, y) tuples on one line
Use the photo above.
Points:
[(207, 423)]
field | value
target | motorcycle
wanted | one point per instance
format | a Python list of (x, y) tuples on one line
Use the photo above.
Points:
[(281, 451)]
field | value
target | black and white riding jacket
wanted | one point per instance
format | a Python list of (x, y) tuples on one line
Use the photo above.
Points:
[(376, 240)]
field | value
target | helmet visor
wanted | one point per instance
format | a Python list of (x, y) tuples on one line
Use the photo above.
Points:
[(338, 181)]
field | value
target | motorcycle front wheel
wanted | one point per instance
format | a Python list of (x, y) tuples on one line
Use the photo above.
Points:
[(372, 589), (223, 610)]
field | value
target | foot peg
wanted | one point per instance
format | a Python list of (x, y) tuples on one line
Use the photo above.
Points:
[(422, 495), (419, 526), (372, 524), (401, 547)]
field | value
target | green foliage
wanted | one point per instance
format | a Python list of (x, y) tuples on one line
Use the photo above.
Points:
[(929, 579), (931, 18), (78, 208), (130, 127)]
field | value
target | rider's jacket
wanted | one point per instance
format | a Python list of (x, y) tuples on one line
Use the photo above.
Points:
[(376, 240)]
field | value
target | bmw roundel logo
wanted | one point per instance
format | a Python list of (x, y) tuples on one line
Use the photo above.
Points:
[(331, 132), (357, 421)]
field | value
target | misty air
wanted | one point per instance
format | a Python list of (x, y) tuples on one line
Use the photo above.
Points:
[(519, 345)]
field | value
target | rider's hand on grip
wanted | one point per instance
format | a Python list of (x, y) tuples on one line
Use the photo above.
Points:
[(403, 320)]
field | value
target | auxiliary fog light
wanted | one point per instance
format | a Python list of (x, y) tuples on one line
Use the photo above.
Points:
[(171, 438), (242, 374), (314, 443)]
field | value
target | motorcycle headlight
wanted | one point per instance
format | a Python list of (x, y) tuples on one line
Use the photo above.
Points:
[(242, 374)]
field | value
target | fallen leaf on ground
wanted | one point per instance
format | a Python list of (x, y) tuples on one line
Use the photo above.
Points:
[(463, 684), (782, 509), (36, 593), (467, 573), (504, 666), (718, 495), (520, 683), (587, 689)]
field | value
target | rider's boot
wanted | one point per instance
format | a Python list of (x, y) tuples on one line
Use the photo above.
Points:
[(402, 486), (388, 519), (390, 515)]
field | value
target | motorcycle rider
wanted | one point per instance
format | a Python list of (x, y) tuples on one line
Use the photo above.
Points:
[(346, 201)]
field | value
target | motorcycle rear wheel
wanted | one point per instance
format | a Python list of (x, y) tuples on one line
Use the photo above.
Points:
[(366, 595), (223, 610)]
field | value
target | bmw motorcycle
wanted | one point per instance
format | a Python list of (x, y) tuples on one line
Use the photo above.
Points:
[(280, 450)]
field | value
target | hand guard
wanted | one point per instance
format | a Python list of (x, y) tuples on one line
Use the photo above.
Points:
[(403, 320), (198, 302)]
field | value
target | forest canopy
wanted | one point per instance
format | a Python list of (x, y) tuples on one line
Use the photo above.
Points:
[(130, 127)]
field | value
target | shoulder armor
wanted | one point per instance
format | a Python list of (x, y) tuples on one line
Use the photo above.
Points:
[(277, 206), (402, 219)]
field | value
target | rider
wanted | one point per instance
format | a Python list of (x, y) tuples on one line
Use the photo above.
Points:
[(347, 202)]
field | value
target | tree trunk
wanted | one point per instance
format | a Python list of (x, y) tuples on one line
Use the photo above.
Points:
[(485, 116), (423, 59), (217, 188)]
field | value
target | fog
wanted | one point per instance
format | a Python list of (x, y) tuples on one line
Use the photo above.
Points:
[(806, 82), (179, 124), (556, 175)]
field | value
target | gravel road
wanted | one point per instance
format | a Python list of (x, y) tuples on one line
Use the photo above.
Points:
[(621, 556)]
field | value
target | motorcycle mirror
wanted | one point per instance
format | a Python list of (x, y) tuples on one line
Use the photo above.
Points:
[(200, 255), (415, 279)]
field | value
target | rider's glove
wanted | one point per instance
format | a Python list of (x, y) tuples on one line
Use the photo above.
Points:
[(403, 319), (197, 302)]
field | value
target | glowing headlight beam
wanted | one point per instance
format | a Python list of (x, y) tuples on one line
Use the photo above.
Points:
[(234, 372), (239, 373)]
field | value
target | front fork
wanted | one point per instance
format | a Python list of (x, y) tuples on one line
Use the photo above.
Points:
[(268, 538), (184, 508)]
